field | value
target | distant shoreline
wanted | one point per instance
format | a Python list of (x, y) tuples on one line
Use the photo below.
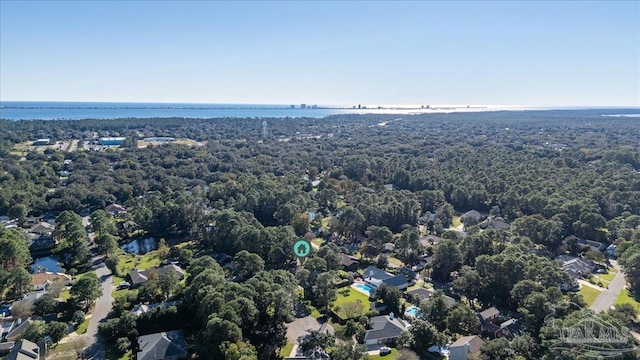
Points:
[(42, 110)]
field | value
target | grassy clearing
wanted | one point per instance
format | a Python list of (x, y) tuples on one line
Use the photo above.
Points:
[(82, 328), (589, 294), (128, 262), (626, 298), (349, 295), (317, 241), (393, 355), (455, 221), (123, 293), (395, 261), (286, 350)]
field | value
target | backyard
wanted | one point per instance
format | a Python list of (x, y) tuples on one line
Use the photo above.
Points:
[(345, 305)]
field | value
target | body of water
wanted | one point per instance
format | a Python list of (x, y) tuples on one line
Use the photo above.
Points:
[(364, 288), (43, 110), (46, 263), (32, 110), (140, 246)]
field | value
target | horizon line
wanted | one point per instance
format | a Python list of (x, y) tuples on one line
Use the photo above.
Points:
[(424, 106)]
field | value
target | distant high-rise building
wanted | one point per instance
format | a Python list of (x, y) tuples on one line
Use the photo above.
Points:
[(292, 106), (264, 129), (303, 106)]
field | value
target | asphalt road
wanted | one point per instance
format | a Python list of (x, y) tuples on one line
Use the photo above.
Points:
[(95, 348), (608, 297)]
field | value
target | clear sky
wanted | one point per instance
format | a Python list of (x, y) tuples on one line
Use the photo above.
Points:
[(491, 53)]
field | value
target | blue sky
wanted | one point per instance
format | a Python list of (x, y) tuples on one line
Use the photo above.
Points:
[(490, 53)]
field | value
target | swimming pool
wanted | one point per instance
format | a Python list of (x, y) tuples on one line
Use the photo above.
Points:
[(364, 288), (412, 310)]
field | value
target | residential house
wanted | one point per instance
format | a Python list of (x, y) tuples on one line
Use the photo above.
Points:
[(139, 277), (576, 267), (42, 280), (495, 325), (42, 228), (145, 308), (18, 329), (423, 294), (464, 346), (384, 329), (168, 345), (127, 227), (489, 314), (5, 347), (375, 277), (349, 263), (427, 218), (41, 242), (498, 223), (473, 216), (429, 240), (593, 245), (388, 247), (115, 209), (510, 329), (24, 350)]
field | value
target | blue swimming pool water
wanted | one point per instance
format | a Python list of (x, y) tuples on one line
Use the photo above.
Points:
[(413, 310), (364, 287)]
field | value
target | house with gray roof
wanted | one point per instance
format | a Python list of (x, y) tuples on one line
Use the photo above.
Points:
[(464, 346), (24, 350), (471, 215), (18, 329), (139, 277), (375, 277), (576, 267), (145, 308), (423, 294), (383, 329), (168, 345)]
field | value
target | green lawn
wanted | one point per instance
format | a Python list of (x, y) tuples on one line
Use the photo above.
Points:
[(455, 221), (123, 293), (420, 284), (317, 241), (626, 298), (349, 295), (65, 294), (393, 355), (610, 275), (395, 261), (589, 294), (82, 328), (127, 262), (286, 350)]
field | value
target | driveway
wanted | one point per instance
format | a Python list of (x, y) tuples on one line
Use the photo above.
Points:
[(300, 326), (100, 312), (608, 296)]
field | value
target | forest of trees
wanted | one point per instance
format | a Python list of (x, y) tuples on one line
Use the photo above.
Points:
[(555, 176)]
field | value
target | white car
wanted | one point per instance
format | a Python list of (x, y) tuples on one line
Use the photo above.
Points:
[(385, 350)]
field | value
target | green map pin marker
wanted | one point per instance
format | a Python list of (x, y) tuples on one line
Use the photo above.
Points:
[(302, 248)]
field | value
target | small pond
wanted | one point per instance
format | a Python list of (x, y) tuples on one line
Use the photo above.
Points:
[(140, 246), (46, 263)]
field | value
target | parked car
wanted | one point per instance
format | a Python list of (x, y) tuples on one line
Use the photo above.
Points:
[(385, 350)]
